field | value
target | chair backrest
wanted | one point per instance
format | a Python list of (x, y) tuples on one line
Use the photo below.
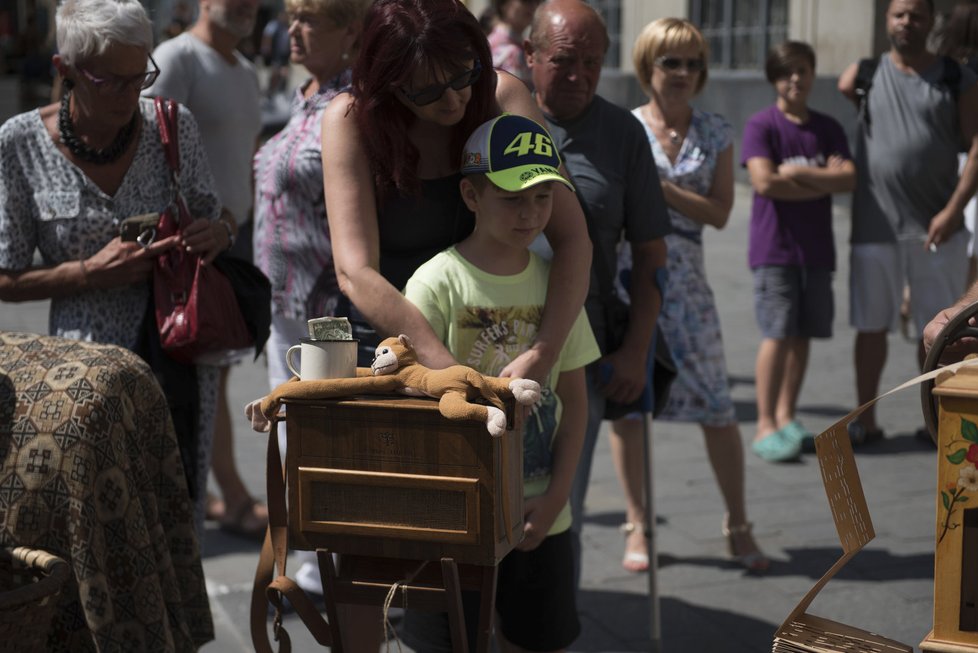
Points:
[(31, 581)]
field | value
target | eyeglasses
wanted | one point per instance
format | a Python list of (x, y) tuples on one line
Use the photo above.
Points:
[(118, 84), (672, 64), (433, 93)]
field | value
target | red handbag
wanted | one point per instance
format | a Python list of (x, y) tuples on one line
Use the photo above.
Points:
[(196, 310)]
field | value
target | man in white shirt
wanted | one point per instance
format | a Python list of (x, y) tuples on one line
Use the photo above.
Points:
[(202, 69)]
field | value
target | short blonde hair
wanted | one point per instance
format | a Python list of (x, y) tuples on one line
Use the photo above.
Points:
[(659, 37), (340, 12)]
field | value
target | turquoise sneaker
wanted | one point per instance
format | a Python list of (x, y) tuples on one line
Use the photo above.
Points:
[(776, 447), (795, 432)]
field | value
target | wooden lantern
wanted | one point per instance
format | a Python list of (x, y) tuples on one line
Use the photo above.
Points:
[(956, 552), (390, 477)]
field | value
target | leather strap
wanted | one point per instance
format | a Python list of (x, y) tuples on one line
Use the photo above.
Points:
[(274, 553), (507, 513), (167, 119)]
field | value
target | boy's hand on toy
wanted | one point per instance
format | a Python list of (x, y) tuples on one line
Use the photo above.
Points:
[(539, 514), (534, 363)]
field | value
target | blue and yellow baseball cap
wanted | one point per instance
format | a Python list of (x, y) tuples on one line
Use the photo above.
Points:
[(514, 152)]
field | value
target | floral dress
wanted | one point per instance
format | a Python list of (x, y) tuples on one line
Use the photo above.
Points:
[(291, 238), (292, 244), (689, 320), (48, 204)]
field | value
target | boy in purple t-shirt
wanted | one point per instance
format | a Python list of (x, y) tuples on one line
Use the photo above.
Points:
[(796, 158)]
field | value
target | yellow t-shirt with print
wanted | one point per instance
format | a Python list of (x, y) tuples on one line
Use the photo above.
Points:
[(487, 320)]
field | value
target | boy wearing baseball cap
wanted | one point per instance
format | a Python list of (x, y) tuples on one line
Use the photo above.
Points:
[(484, 298)]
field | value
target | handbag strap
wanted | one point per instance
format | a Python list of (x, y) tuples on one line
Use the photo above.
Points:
[(274, 552), (167, 118)]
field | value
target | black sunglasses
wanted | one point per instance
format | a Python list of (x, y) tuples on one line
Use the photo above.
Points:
[(433, 93), (675, 63)]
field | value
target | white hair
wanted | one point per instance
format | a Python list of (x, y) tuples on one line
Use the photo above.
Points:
[(87, 27)]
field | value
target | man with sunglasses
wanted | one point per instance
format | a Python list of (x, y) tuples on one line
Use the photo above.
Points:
[(606, 152), (203, 70)]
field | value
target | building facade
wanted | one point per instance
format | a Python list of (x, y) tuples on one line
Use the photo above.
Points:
[(739, 34)]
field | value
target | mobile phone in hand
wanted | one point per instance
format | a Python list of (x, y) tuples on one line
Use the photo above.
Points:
[(139, 228)]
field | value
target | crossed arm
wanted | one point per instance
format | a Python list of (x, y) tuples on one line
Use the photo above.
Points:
[(713, 208), (798, 182)]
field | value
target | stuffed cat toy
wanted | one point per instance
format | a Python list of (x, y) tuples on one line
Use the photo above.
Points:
[(396, 370)]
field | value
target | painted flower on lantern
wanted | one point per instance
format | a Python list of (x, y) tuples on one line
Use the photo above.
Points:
[(964, 449), (968, 478)]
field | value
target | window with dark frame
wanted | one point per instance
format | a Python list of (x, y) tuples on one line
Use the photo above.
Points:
[(740, 32), (610, 11)]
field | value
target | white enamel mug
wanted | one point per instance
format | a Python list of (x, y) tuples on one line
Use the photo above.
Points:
[(323, 359)]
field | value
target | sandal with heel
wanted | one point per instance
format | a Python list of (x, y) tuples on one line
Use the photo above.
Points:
[(634, 561), (754, 562)]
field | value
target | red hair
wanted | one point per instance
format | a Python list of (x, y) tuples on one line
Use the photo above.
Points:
[(400, 36)]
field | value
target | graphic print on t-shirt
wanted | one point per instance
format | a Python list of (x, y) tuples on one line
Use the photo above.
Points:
[(488, 339), (818, 161)]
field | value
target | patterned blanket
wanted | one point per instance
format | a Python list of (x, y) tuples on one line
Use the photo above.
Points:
[(90, 471)]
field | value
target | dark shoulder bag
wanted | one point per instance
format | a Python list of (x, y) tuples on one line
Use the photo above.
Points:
[(616, 315)]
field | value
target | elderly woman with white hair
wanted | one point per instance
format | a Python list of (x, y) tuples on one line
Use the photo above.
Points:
[(71, 172)]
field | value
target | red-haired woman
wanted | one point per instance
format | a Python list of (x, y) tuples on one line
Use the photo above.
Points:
[(391, 157)]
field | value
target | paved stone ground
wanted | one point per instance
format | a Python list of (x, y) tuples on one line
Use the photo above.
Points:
[(707, 604)]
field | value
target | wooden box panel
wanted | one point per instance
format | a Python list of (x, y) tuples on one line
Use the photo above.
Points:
[(955, 572), (379, 504), (391, 477)]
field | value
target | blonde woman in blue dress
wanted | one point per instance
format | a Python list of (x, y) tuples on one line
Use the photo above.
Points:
[(694, 156)]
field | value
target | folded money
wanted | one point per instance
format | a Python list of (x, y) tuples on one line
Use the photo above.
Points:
[(330, 328)]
